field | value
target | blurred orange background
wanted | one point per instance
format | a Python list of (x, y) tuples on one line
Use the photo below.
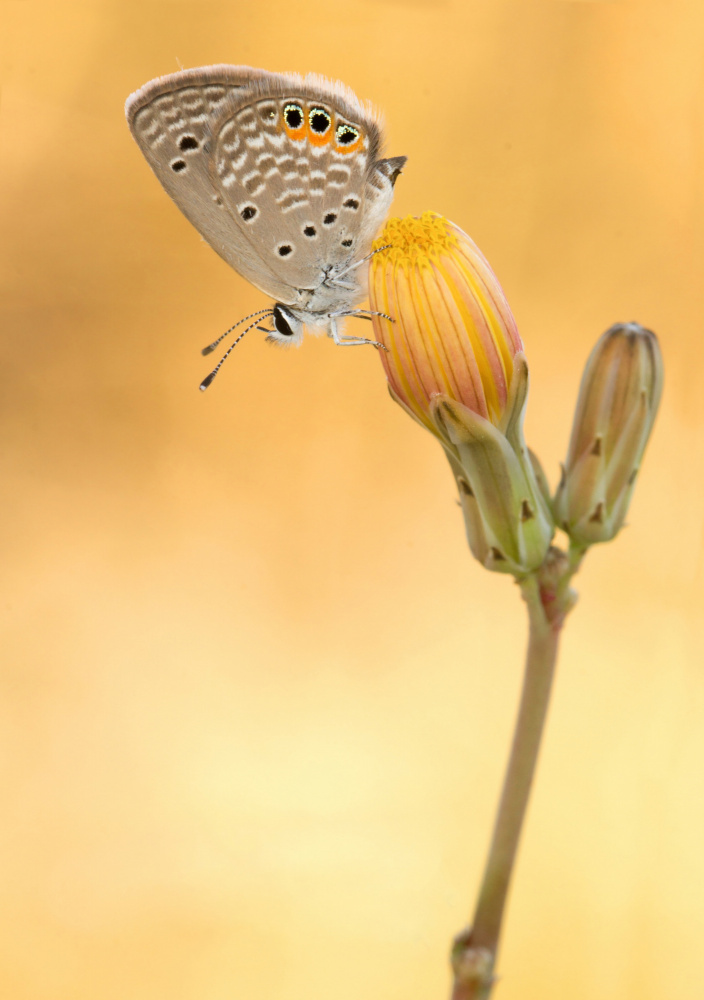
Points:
[(256, 696)]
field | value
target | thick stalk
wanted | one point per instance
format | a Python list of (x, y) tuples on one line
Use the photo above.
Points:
[(474, 953)]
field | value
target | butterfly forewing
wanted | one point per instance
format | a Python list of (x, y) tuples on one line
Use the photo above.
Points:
[(172, 119)]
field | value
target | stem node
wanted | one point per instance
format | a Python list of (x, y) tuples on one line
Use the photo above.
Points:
[(472, 967)]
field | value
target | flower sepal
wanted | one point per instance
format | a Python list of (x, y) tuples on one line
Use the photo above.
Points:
[(508, 522)]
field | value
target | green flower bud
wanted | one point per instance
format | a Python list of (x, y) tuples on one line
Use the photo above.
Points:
[(616, 408), (508, 520)]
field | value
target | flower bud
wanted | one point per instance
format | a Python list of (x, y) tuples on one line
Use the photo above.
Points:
[(455, 362), (453, 332), (616, 408)]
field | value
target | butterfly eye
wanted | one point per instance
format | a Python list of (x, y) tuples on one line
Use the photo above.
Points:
[(319, 120), (293, 116), (346, 135), (281, 323)]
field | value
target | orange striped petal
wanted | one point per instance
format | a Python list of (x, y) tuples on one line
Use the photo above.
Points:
[(452, 331)]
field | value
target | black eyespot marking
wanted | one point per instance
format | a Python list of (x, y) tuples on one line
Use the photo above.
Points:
[(248, 212), (285, 250), (178, 165), (347, 243), (346, 134), (329, 218), (293, 116), (351, 203), (319, 120), (309, 230), (187, 142)]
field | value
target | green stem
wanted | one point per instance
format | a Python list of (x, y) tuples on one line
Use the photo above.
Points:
[(474, 954)]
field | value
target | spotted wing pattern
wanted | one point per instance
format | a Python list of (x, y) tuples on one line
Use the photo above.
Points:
[(301, 178), (173, 120), (279, 173)]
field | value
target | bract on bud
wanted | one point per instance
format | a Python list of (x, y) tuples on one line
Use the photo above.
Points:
[(616, 408), (455, 362)]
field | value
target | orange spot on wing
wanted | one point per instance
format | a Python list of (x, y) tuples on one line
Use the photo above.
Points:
[(316, 139), (319, 138), (351, 147), (295, 133)]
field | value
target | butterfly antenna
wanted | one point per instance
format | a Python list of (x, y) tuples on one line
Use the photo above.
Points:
[(209, 378), (211, 347), (360, 262)]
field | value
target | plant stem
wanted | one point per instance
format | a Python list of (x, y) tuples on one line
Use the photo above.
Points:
[(474, 954)]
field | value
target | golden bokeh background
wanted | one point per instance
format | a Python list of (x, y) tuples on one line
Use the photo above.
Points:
[(256, 696)]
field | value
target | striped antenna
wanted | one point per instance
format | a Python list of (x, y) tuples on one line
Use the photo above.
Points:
[(209, 378), (211, 347)]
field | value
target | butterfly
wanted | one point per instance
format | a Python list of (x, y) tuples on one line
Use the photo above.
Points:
[(281, 174)]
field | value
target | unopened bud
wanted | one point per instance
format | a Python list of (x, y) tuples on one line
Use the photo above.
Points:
[(616, 408)]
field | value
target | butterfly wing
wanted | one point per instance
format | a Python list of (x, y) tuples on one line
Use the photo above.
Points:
[(298, 163), (172, 120), (279, 173)]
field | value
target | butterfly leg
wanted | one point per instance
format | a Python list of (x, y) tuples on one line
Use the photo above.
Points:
[(366, 314), (341, 340)]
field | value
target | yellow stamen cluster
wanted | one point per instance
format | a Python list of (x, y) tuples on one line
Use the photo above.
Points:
[(416, 240)]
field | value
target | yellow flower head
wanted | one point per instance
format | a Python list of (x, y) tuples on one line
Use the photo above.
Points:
[(452, 332)]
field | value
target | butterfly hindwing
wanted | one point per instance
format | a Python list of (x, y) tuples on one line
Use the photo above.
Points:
[(299, 197), (279, 173)]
